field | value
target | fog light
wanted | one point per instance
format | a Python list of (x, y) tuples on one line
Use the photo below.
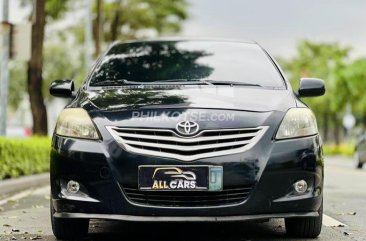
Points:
[(73, 187), (301, 186)]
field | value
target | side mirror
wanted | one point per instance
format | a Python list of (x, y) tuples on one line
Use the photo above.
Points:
[(311, 87), (62, 88)]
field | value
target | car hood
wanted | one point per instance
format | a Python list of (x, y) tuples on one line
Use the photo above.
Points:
[(207, 97)]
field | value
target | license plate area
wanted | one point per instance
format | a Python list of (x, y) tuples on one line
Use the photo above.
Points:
[(180, 178)]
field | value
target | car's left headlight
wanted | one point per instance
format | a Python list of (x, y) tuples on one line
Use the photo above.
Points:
[(298, 122), (75, 122)]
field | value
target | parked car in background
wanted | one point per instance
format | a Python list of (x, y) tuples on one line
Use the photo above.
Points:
[(186, 130), (18, 131), (360, 151)]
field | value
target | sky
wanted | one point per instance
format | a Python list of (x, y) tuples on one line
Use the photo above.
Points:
[(276, 25), (279, 25)]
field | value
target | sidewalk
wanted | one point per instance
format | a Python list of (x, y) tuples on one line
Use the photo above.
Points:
[(10, 186)]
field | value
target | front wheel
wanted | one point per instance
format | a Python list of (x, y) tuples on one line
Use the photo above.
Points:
[(67, 228), (356, 160), (305, 227)]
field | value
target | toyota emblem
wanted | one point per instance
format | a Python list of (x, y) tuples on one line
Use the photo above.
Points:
[(187, 128)]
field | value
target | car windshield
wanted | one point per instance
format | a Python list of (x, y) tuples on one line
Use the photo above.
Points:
[(184, 62)]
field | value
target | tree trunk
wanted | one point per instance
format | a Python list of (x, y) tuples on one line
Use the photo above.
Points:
[(98, 28), (115, 25), (35, 65)]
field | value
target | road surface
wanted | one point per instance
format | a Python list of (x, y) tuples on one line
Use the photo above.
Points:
[(25, 216)]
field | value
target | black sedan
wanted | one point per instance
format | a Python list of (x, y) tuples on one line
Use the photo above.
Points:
[(186, 131)]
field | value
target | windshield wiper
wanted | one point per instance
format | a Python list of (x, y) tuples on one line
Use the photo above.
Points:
[(162, 82), (110, 82), (210, 82), (224, 82), (173, 81), (184, 81)]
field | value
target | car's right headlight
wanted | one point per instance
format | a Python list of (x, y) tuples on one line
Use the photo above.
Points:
[(75, 122), (298, 122)]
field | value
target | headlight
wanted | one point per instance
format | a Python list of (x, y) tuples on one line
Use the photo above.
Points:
[(75, 122), (298, 122)]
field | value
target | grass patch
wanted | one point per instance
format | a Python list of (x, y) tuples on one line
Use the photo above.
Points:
[(342, 149), (24, 156)]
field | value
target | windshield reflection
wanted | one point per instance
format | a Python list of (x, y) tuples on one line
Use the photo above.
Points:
[(153, 61), (144, 62)]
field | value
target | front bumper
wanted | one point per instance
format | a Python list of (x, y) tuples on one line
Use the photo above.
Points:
[(273, 171), (185, 218)]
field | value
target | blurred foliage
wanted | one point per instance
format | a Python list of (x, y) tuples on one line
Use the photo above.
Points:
[(128, 19), (54, 8), (136, 19), (57, 64), (24, 156), (343, 149), (61, 64), (18, 83), (326, 61), (351, 86)]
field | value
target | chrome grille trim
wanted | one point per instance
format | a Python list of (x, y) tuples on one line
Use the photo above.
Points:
[(185, 139), (167, 143), (188, 148)]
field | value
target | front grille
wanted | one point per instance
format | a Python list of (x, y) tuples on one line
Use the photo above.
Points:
[(228, 196), (167, 143)]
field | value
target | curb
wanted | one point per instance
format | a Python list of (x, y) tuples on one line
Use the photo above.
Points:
[(9, 186)]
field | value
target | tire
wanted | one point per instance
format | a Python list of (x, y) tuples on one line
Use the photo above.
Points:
[(305, 227), (68, 228), (356, 160)]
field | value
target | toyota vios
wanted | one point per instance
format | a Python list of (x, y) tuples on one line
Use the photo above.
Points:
[(186, 130)]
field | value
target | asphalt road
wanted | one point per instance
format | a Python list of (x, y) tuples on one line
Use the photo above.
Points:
[(25, 216)]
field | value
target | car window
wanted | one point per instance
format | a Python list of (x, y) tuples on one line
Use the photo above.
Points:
[(187, 60)]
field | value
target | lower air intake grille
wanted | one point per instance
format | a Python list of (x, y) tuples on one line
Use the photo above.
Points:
[(188, 199)]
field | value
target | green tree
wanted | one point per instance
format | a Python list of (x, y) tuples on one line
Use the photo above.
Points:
[(17, 85), (325, 61), (43, 10), (98, 28), (131, 19), (125, 19), (352, 83), (58, 63)]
